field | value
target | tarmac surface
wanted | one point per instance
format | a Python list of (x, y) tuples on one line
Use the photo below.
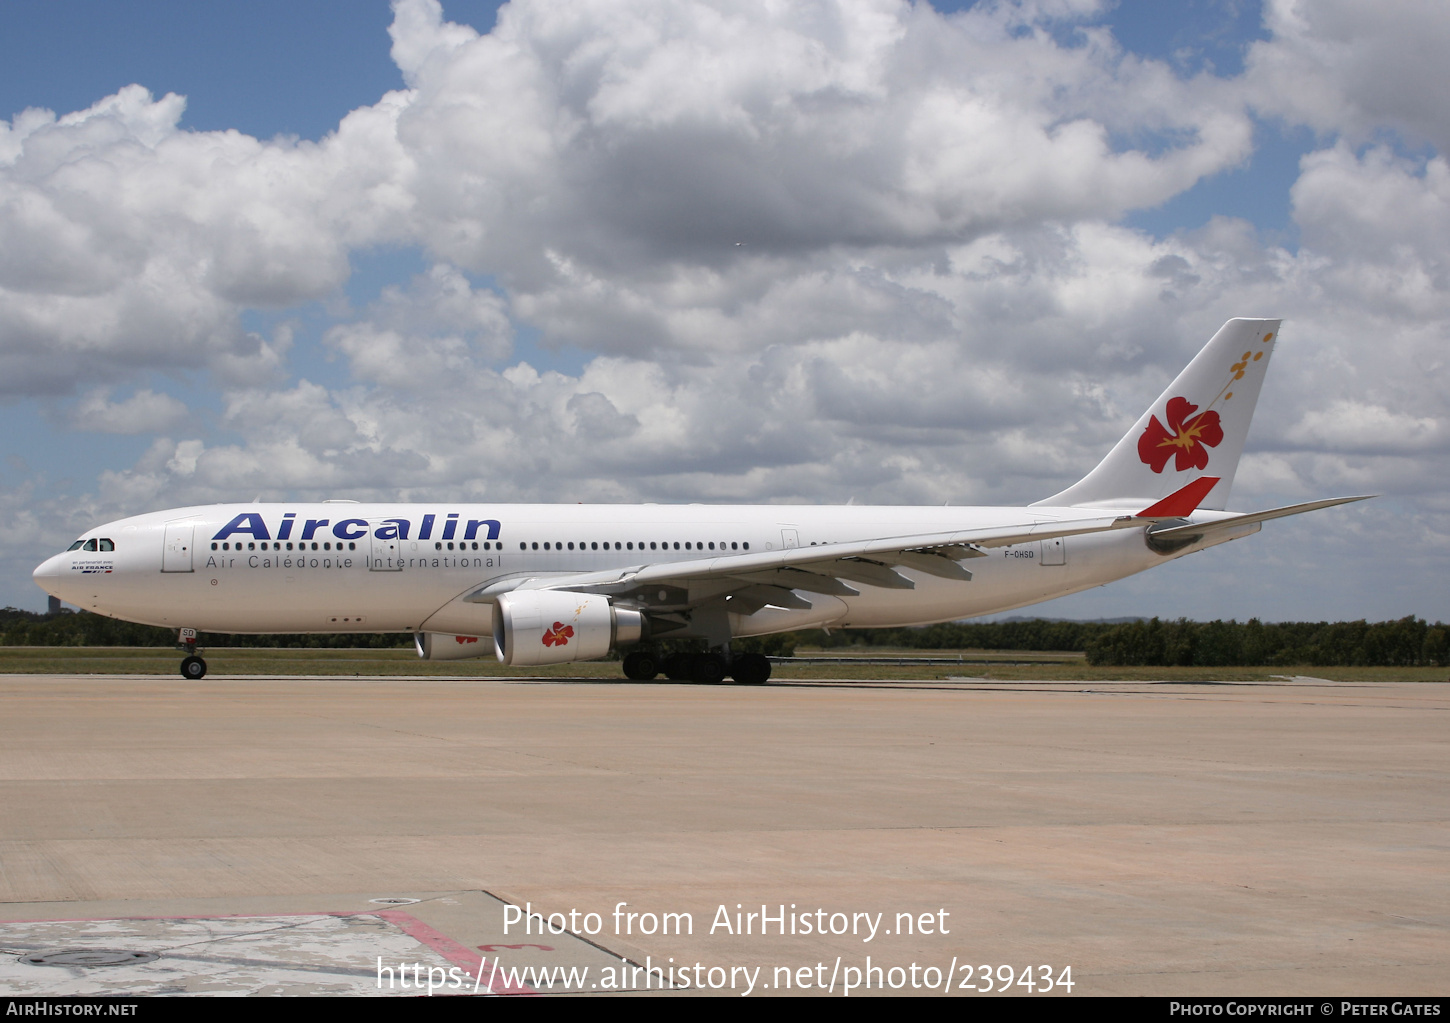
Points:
[(1156, 838)]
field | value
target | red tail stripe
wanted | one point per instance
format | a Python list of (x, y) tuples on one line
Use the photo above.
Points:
[(1184, 501)]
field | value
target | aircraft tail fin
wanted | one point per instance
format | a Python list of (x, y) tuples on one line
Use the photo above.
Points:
[(1196, 427)]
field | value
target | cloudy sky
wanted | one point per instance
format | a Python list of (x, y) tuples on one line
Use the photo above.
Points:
[(658, 250)]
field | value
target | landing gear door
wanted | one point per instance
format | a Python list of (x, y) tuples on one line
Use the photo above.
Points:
[(176, 552), (385, 549)]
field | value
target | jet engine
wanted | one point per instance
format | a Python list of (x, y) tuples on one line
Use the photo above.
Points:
[(433, 647), (557, 626)]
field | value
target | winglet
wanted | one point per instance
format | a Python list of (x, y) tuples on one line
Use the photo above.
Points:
[(1182, 502)]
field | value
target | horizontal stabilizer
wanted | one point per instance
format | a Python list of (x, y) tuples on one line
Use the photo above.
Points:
[(1204, 529)]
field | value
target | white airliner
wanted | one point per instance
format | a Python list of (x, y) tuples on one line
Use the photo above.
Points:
[(549, 584)]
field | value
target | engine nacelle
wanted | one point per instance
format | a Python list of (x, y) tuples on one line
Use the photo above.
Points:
[(557, 626), (432, 646)]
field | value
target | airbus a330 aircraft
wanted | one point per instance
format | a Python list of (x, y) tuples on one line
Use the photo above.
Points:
[(549, 584)]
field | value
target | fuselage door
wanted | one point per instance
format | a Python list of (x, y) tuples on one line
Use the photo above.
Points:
[(789, 538), (1054, 551), (176, 553), (385, 550)]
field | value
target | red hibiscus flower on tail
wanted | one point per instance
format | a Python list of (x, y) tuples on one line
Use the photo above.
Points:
[(1187, 439), (558, 635)]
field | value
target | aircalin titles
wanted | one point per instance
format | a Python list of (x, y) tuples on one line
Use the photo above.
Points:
[(252, 524)]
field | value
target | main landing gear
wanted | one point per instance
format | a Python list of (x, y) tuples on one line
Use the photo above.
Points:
[(193, 668), (641, 665), (703, 669)]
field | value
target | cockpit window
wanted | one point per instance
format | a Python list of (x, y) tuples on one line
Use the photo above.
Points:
[(93, 544)]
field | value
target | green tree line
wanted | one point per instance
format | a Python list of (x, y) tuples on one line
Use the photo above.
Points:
[(1407, 642), (26, 628)]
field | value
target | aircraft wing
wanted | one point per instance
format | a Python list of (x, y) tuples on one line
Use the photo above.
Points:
[(754, 580)]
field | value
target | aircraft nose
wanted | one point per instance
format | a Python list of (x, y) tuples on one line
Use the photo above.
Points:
[(50, 572)]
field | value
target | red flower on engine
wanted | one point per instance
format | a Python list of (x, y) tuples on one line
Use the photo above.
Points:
[(1189, 439), (558, 635)]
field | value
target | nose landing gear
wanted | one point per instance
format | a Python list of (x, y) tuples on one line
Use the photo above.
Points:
[(193, 667)]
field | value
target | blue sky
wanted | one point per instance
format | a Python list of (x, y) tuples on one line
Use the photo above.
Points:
[(263, 68), (495, 265)]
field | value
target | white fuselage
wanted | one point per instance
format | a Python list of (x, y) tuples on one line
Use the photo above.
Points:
[(342, 567)]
